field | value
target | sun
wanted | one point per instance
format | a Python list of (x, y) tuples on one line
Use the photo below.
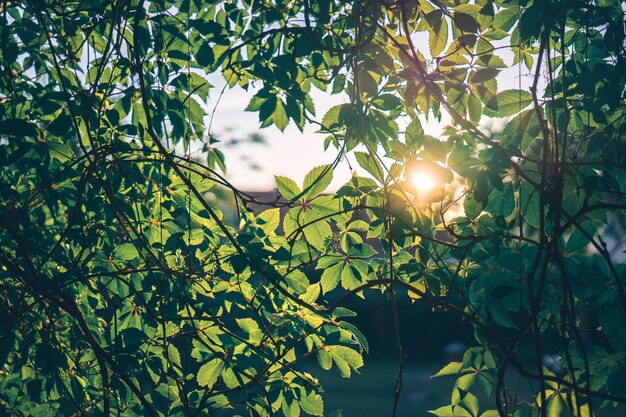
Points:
[(422, 181)]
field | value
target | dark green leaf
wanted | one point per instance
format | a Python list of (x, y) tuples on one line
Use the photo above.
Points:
[(17, 127)]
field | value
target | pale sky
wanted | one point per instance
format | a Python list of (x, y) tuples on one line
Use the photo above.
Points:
[(290, 153)]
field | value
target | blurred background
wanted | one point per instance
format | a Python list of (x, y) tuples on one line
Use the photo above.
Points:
[(429, 341)]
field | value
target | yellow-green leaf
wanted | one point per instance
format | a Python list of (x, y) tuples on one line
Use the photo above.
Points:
[(210, 372), (287, 187), (317, 180)]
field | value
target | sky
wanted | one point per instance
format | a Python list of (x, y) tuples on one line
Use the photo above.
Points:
[(290, 153)]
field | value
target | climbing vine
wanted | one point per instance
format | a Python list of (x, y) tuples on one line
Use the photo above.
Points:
[(124, 291)]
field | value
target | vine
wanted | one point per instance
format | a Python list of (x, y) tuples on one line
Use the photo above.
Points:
[(124, 291)]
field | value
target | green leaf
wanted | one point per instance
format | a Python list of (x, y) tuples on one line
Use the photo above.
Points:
[(297, 281), (126, 252), (280, 116), (349, 278), (287, 187), (318, 231), (451, 411), (230, 378), (484, 74), (247, 325), (466, 22), (529, 205), (501, 203), (531, 22), (452, 368), (316, 181), (438, 38), (17, 127), (343, 312), (339, 83), (173, 354), (370, 164), (471, 401), (501, 316), (61, 125), (133, 338), (337, 117), (330, 277), (506, 18), (311, 294), (290, 407), (269, 220), (205, 56), (555, 406), (358, 336), (346, 359), (578, 239), (507, 103), (324, 358), (414, 133), (433, 18), (313, 404), (209, 373), (60, 151), (472, 207), (474, 108), (387, 102), (256, 102)]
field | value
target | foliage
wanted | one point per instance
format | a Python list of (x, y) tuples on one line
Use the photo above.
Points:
[(123, 291)]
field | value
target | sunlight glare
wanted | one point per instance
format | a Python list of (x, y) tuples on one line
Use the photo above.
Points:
[(422, 181)]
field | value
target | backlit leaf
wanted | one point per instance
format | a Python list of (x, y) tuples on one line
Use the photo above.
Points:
[(209, 373), (287, 187), (507, 103), (317, 180)]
